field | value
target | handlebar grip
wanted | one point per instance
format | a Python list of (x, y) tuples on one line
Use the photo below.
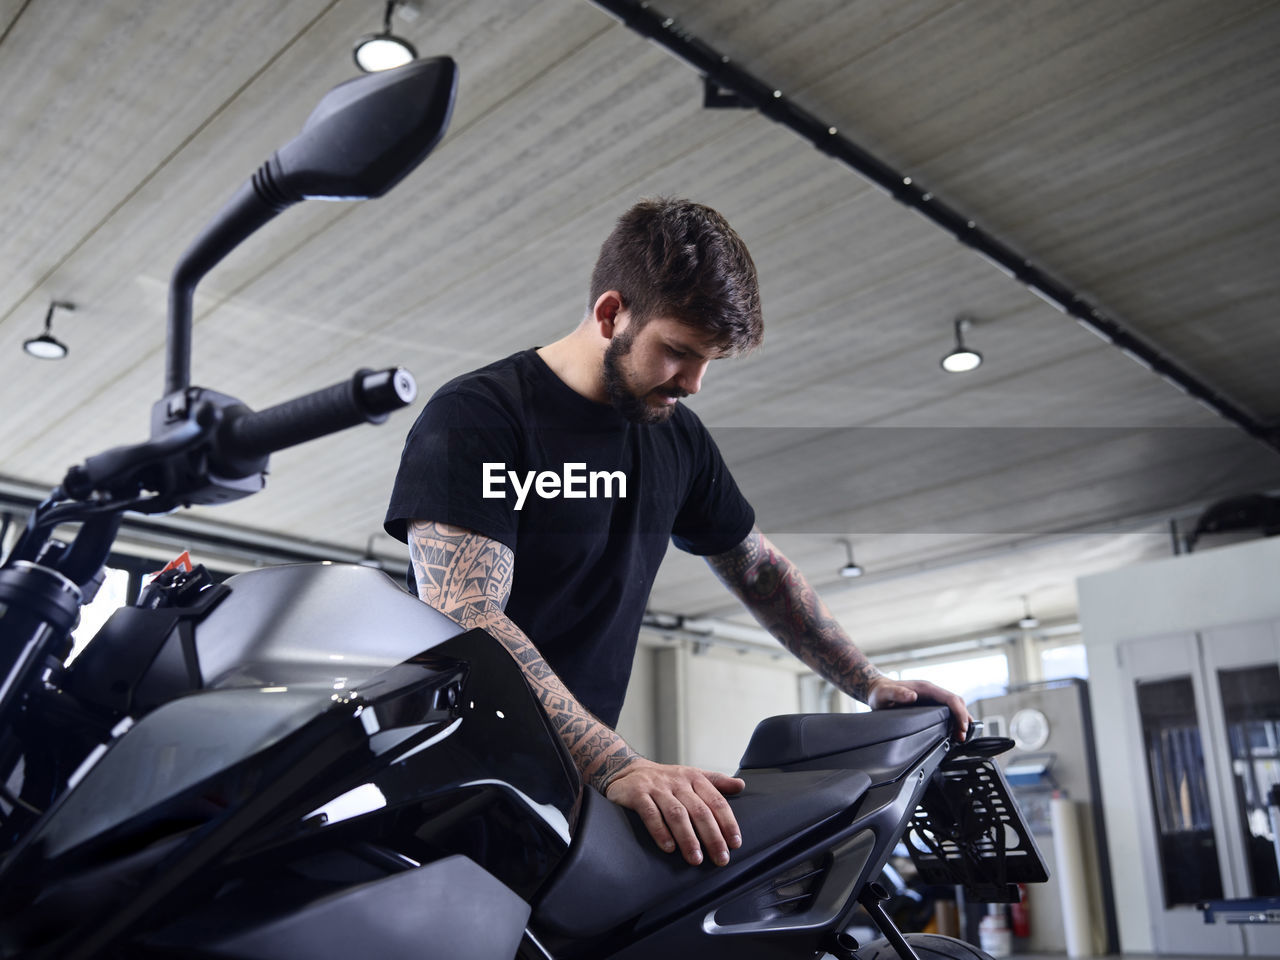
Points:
[(368, 397)]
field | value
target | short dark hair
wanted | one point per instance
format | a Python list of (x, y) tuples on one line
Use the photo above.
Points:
[(681, 259)]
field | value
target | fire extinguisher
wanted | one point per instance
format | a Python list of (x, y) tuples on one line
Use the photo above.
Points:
[(1020, 914)]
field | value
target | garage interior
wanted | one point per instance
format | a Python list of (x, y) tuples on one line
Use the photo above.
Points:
[(1077, 532)]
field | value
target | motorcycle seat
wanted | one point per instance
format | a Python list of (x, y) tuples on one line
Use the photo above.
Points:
[(614, 871), (884, 739)]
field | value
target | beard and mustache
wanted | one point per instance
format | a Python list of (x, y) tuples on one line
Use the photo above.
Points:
[(632, 405)]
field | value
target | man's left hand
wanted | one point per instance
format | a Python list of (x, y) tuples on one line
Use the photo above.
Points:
[(885, 693)]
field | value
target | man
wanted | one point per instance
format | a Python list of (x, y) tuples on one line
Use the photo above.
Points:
[(538, 495)]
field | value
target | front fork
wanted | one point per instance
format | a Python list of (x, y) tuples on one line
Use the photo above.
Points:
[(38, 608)]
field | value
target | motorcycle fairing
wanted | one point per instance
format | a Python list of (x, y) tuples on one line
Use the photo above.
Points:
[(173, 749), (451, 908), (236, 780)]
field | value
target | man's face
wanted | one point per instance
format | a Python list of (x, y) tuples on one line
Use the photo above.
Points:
[(647, 372)]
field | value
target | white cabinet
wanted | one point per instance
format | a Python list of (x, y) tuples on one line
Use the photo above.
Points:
[(1184, 666), (1206, 707)]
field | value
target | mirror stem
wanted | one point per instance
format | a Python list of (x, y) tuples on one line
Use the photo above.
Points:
[(256, 202)]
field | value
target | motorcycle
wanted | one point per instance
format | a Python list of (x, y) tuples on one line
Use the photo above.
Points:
[(307, 761)]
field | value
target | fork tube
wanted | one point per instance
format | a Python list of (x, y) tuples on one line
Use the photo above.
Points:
[(38, 608)]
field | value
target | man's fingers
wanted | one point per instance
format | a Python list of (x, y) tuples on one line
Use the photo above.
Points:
[(958, 710), (961, 713), (681, 807), (654, 823), (707, 827), (677, 816), (954, 702), (726, 826), (725, 783)]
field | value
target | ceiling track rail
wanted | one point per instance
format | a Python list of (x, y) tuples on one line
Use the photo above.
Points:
[(728, 84)]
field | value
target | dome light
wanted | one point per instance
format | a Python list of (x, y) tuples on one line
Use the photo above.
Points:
[(850, 570), (46, 346), (961, 359), (383, 51), (1029, 620)]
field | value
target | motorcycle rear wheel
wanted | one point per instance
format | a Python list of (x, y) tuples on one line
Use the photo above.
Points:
[(928, 946)]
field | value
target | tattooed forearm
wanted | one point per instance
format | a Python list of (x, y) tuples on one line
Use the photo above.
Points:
[(467, 577), (779, 597)]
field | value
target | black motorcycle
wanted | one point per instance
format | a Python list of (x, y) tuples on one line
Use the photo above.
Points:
[(307, 761)]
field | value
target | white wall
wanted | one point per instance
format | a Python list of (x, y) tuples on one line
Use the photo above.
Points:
[(638, 721), (726, 698), (700, 708), (1189, 593)]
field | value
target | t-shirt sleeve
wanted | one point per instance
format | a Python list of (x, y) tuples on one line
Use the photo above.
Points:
[(442, 475), (715, 516)]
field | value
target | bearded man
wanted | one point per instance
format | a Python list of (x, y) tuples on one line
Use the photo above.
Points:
[(538, 495)]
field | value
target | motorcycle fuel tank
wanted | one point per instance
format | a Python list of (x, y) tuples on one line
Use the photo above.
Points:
[(313, 623)]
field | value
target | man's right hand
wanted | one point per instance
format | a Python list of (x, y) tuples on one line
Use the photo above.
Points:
[(681, 806)]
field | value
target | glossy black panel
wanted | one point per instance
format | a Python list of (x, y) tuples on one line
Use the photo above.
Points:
[(446, 753), (494, 783), (451, 909), (171, 750)]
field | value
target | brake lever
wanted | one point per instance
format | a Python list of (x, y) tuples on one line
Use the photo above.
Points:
[(110, 469)]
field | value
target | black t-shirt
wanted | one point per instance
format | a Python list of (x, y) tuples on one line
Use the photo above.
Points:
[(588, 512)]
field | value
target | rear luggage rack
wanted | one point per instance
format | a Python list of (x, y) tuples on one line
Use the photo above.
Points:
[(967, 830)]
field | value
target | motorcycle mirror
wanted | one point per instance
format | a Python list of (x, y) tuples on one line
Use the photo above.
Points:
[(367, 134), (364, 137)]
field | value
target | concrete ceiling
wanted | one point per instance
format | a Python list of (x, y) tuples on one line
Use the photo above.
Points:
[(1128, 149)]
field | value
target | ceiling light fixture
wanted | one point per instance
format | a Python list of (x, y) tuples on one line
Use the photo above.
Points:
[(850, 569), (383, 51), (961, 359), (1028, 621), (46, 346)]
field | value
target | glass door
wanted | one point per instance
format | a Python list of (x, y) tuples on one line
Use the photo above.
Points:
[(1176, 790), (1251, 714), (1178, 781), (1242, 664)]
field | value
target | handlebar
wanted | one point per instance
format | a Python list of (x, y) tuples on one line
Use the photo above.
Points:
[(368, 397), (205, 447)]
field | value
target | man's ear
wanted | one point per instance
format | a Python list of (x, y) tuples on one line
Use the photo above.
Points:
[(609, 314)]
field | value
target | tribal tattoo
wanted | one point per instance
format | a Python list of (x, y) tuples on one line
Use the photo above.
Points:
[(778, 595), (467, 577)]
